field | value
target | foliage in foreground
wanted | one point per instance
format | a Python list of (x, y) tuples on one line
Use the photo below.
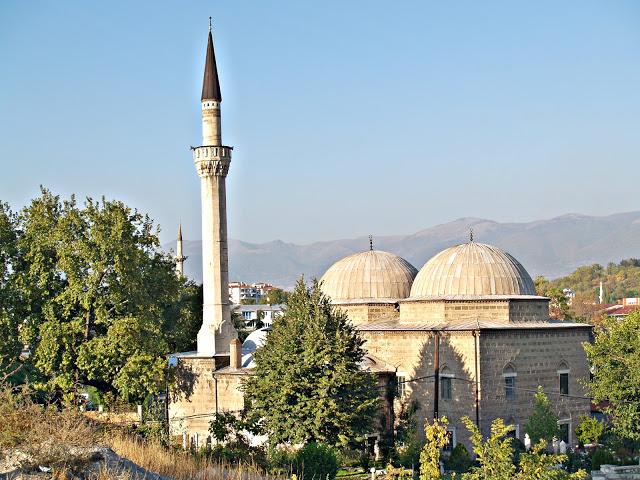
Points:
[(436, 438), (308, 385), (615, 359), (494, 456), (589, 430), (316, 461), (88, 289)]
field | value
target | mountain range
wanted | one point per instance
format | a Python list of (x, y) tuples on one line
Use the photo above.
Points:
[(552, 247)]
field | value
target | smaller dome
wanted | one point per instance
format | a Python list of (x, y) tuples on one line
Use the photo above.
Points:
[(369, 276), (472, 269), (253, 342)]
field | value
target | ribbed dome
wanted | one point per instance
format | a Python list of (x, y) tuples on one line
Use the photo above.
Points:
[(472, 269), (371, 275)]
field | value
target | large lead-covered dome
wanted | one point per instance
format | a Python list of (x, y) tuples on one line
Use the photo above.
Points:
[(373, 275), (472, 269)]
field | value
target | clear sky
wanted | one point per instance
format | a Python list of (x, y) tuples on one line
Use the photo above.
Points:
[(347, 117)]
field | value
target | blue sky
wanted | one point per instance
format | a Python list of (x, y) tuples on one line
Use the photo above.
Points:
[(347, 118)]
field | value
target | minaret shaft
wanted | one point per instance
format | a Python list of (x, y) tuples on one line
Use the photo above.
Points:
[(212, 161)]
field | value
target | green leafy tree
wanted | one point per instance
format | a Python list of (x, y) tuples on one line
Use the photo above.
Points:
[(436, 437), (589, 429), (275, 296), (615, 359), (543, 423), (308, 385), (100, 303), (494, 455), (10, 345), (539, 465)]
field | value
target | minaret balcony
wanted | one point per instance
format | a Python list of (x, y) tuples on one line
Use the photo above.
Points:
[(212, 160)]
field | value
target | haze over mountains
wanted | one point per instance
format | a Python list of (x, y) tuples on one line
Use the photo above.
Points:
[(552, 247)]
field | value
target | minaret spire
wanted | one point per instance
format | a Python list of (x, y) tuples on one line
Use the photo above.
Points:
[(210, 82), (180, 258)]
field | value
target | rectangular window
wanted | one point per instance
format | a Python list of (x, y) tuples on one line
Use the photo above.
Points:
[(451, 440), (400, 379), (564, 384), (445, 388), (564, 432), (510, 388)]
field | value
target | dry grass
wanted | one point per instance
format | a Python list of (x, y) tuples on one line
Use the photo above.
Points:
[(68, 442), (45, 435), (177, 464)]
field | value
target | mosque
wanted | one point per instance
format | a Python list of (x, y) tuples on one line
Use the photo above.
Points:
[(466, 335)]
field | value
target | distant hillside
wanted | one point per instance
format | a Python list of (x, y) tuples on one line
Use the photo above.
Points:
[(619, 280), (552, 248)]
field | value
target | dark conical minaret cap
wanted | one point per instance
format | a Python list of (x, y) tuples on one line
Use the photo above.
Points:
[(210, 84), (180, 231)]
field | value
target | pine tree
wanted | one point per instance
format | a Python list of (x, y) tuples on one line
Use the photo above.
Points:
[(543, 423), (308, 385)]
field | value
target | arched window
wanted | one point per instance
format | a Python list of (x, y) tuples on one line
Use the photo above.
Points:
[(509, 374)]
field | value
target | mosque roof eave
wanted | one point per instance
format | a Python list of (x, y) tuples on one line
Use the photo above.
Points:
[(457, 298), (468, 325)]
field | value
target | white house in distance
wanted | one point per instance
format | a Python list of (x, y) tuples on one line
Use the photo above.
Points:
[(254, 292), (251, 313)]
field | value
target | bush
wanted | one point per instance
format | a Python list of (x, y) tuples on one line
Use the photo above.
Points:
[(280, 460), (601, 456), (460, 460), (316, 462)]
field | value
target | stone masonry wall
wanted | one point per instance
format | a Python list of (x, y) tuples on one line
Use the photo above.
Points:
[(192, 399), (535, 356)]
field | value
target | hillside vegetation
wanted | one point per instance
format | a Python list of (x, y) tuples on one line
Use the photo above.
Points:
[(619, 280)]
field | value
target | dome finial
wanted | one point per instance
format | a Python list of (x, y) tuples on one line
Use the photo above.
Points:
[(371, 242), (209, 23), (470, 234)]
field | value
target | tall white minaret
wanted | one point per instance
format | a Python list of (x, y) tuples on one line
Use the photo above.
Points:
[(601, 296), (180, 258), (212, 161)]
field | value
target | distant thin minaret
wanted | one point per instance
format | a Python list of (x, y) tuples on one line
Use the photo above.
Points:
[(180, 258), (601, 296)]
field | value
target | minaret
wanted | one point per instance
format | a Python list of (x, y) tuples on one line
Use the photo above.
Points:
[(180, 258), (212, 161), (601, 296)]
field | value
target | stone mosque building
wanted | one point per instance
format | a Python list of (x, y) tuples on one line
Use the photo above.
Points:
[(466, 335)]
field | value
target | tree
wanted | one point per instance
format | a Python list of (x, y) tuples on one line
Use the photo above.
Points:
[(10, 346), (308, 385), (559, 308), (539, 465), (589, 429), (436, 437), (100, 303), (493, 455), (543, 423), (275, 296), (615, 361)]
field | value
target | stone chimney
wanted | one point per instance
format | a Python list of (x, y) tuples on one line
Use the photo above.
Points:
[(235, 349)]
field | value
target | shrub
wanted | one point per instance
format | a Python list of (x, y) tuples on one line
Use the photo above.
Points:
[(460, 460), (316, 462), (601, 456)]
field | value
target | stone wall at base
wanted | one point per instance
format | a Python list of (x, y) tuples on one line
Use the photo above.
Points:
[(192, 398)]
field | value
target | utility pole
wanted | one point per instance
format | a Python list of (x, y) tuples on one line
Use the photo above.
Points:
[(436, 365)]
